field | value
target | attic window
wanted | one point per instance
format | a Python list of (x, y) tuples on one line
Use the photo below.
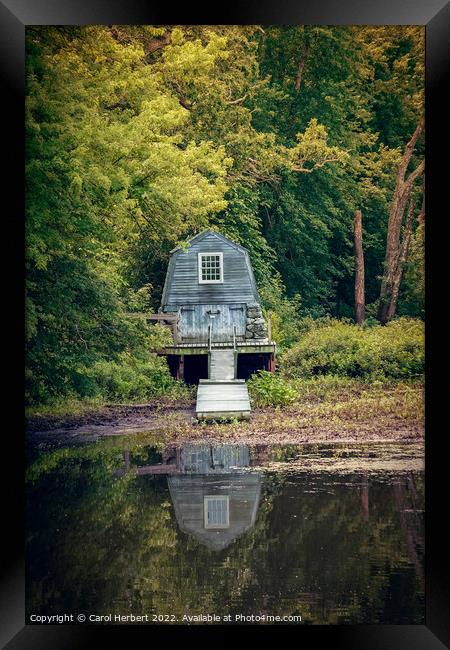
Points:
[(210, 268), (216, 512)]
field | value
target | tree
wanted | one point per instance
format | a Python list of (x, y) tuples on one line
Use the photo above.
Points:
[(359, 270), (396, 249), (109, 159)]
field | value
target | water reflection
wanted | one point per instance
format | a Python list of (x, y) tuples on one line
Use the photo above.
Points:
[(201, 528), (213, 499)]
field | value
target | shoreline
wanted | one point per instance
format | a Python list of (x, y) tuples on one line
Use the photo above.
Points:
[(302, 423)]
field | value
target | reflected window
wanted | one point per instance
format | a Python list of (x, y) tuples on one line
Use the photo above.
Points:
[(195, 459), (216, 512)]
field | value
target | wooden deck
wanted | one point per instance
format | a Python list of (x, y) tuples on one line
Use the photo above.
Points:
[(249, 345)]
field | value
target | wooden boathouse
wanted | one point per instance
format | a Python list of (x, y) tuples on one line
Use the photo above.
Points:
[(220, 337)]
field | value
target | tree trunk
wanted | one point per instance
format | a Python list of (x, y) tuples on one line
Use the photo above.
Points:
[(157, 43), (301, 67), (397, 275), (421, 215), (402, 193), (359, 271)]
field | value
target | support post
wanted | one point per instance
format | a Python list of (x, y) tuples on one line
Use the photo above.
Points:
[(175, 325), (181, 367)]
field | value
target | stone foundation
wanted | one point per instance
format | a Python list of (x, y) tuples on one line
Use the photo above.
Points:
[(255, 325)]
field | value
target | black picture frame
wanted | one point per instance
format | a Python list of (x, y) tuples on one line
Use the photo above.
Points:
[(15, 15)]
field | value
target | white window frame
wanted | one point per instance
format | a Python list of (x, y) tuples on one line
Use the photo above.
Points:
[(200, 257), (216, 497)]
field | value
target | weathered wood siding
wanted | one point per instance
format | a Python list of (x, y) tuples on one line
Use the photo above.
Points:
[(182, 285), (213, 459), (195, 320)]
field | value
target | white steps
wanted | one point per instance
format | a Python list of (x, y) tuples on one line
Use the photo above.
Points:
[(222, 396), (221, 364), (222, 399)]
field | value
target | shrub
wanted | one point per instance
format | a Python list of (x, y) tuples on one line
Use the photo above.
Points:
[(131, 379), (395, 351), (284, 313), (268, 389)]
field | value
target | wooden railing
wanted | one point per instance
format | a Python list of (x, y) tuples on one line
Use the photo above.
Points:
[(172, 321)]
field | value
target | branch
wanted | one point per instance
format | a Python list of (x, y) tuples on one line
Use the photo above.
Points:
[(409, 150), (417, 172), (181, 97), (317, 165), (158, 43), (144, 178), (237, 101)]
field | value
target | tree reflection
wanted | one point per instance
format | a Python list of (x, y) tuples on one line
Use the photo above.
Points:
[(106, 534)]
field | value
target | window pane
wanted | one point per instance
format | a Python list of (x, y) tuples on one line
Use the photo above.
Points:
[(210, 268)]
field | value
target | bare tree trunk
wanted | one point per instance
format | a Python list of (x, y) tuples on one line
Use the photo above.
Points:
[(359, 271), (157, 43), (397, 276), (401, 196), (301, 67), (421, 215)]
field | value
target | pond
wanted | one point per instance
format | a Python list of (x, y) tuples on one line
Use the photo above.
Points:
[(217, 533)]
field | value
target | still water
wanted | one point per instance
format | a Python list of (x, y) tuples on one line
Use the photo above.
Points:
[(331, 534)]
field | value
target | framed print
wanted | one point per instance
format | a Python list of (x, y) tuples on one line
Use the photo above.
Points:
[(228, 323)]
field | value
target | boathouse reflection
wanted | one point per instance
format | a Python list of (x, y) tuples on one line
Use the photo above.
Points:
[(214, 491)]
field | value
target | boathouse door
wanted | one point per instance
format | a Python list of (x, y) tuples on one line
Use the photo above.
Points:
[(196, 319)]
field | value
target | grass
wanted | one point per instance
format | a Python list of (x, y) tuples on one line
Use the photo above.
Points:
[(345, 404), (325, 409), (66, 406), (73, 406)]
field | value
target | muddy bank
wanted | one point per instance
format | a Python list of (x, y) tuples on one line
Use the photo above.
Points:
[(300, 424), (108, 415)]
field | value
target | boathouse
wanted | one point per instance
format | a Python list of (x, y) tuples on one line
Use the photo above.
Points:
[(220, 337)]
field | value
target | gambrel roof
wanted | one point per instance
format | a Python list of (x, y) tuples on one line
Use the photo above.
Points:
[(181, 285)]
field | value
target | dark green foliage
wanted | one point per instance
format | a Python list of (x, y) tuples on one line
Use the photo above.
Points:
[(128, 379)]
